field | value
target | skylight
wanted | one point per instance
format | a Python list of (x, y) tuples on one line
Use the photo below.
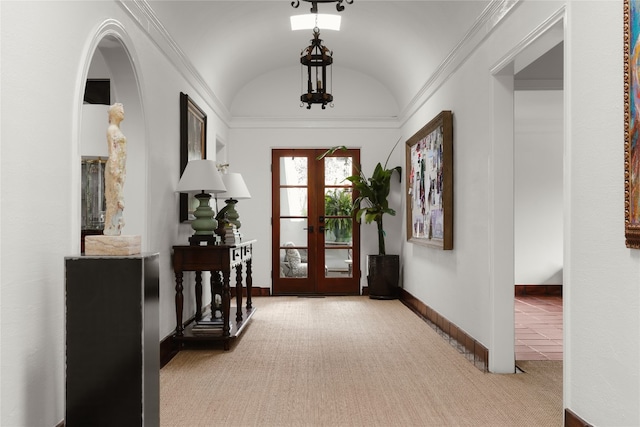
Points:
[(323, 21)]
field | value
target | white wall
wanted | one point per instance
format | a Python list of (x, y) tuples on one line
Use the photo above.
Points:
[(255, 213), (459, 284), (538, 202), (95, 116), (41, 128), (602, 299), (602, 277)]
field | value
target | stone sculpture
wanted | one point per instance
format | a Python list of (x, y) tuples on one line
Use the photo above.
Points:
[(111, 242), (115, 172)]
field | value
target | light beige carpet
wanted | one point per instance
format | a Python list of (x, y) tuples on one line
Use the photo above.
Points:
[(349, 361)]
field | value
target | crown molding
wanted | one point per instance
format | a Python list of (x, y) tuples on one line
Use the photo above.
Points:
[(145, 17)]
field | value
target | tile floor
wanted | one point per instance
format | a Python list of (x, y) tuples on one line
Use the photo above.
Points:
[(538, 327)]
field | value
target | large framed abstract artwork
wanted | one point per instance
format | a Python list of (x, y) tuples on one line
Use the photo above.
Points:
[(193, 146), (430, 183), (632, 122)]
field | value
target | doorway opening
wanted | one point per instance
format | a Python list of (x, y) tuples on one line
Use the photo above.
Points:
[(538, 207), (502, 172)]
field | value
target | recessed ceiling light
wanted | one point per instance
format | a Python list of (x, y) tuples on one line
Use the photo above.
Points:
[(324, 21)]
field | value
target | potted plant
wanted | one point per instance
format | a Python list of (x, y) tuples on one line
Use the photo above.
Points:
[(338, 203), (372, 203)]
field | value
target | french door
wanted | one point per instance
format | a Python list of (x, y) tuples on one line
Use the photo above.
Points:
[(316, 242)]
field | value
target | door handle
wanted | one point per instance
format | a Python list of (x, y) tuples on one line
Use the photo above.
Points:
[(321, 229), (310, 229)]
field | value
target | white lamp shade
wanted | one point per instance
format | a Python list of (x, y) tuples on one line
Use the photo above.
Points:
[(201, 176), (236, 188)]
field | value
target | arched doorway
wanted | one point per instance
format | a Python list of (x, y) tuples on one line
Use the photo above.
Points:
[(110, 59)]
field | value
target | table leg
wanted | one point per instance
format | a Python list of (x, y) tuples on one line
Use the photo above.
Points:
[(249, 285), (179, 302), (198, 295), (239, 292), (226, 304)]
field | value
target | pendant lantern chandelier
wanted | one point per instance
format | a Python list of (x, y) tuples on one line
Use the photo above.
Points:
[(314, 4), (317, 60)]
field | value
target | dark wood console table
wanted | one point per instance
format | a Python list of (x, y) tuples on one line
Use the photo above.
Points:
[(219, 260)]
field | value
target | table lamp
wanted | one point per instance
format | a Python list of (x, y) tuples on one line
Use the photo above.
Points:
[(236, 189), (201, 177)]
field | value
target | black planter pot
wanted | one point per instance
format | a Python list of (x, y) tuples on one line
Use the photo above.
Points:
[(383, 276)]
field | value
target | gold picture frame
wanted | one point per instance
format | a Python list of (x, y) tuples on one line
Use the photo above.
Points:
[(632, 122)]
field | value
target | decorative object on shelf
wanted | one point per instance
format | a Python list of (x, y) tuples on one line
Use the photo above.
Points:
[(216, 311), (193, 146), (430, 184), (318, 60), (112, 242), (314, 4), (631, 123), (383, 270), (202, 177), (93, 198), (231, 234), (236, 190)]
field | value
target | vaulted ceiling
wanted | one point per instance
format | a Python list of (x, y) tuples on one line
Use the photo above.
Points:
[(401, 44)]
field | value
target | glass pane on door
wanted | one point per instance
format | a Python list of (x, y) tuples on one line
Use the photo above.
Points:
[(293, 201), (293, 170), (293, 262), (293, 230), (336, 169), (338, 262), (337, 215), (338, 218)]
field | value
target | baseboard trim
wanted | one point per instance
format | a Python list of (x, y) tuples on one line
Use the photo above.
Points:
[(257, 292), (473, 350), (170, 348), (538, 290), (572, 420)]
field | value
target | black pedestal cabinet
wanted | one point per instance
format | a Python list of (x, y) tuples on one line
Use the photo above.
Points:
[(112, 341)]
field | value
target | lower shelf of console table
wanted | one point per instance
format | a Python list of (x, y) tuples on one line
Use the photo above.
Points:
[(236, 328), (221, 261)]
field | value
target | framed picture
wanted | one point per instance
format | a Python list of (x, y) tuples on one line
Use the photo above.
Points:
[(632, 122), (193, 146), (430, 183)]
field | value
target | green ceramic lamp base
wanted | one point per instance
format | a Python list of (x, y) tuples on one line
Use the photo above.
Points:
[(205, 223)]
